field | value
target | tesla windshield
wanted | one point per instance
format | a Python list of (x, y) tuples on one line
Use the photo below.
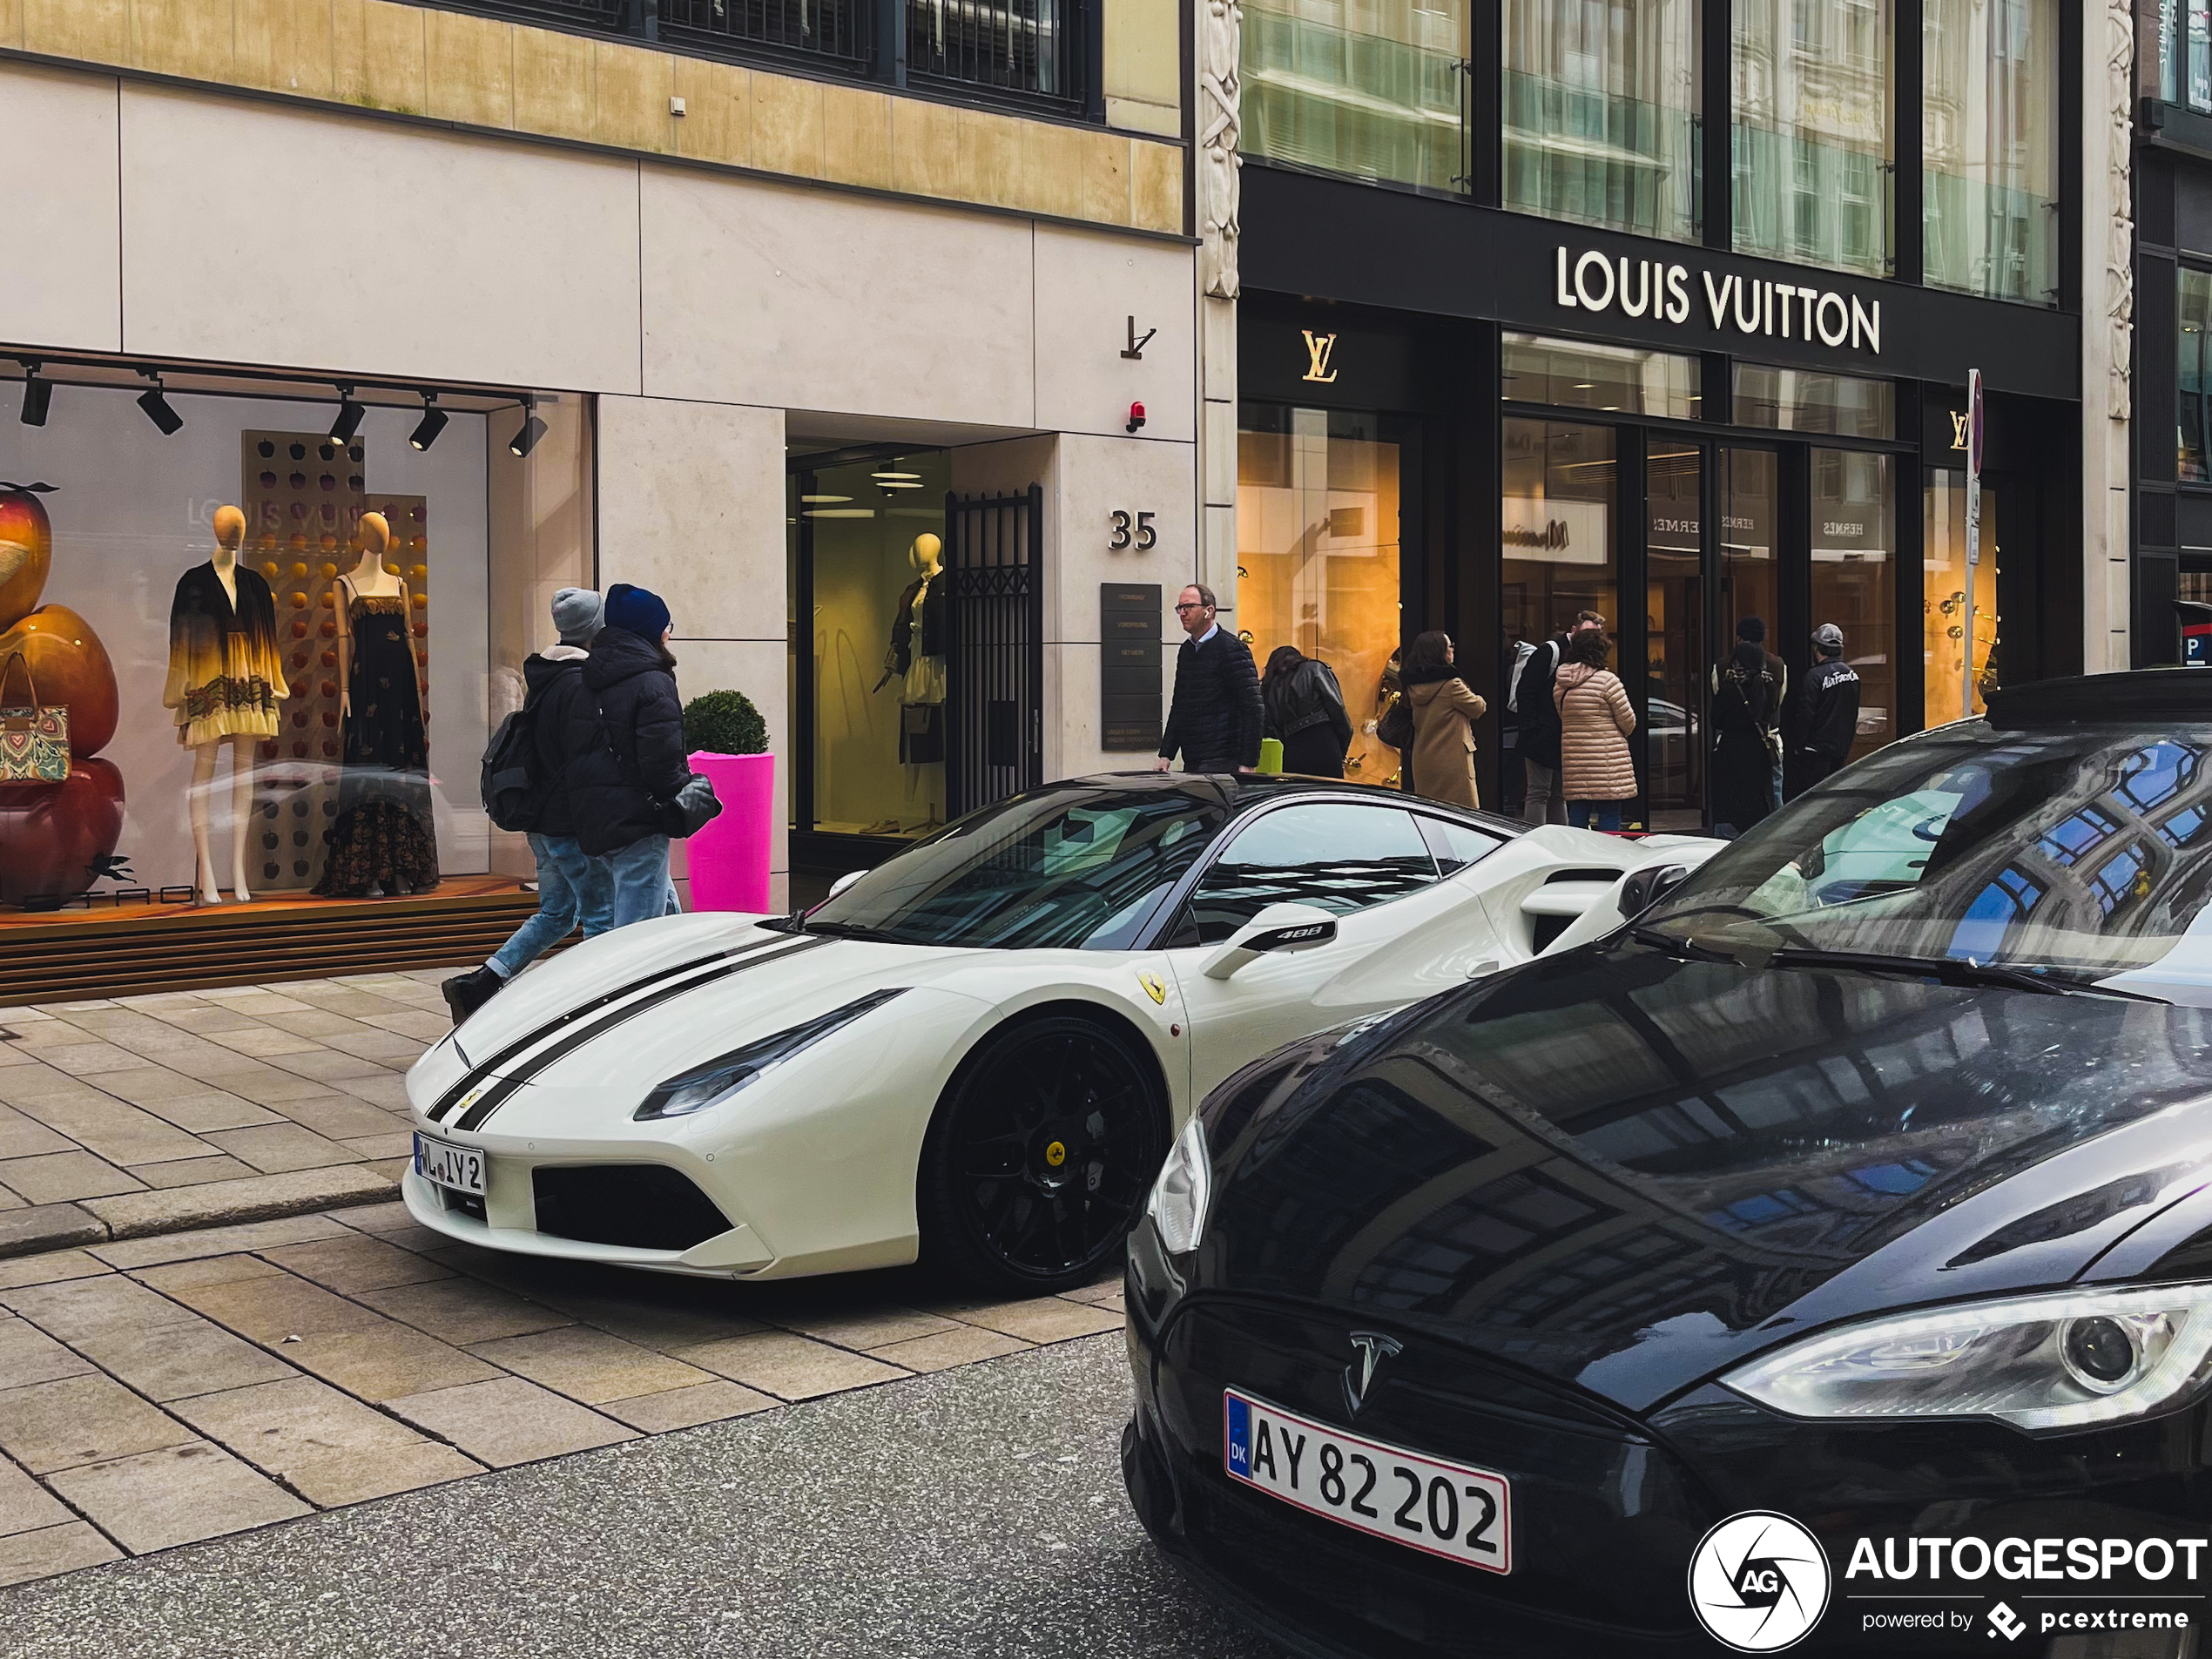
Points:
[(2072, 851), (1073, 868)]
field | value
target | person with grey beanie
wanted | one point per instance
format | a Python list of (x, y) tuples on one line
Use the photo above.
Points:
[(572, 887)]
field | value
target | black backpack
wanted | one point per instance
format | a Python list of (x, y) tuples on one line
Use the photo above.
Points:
[(514, 786)]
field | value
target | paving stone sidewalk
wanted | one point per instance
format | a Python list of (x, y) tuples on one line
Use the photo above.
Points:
[(124, 1117), (159, 1390)]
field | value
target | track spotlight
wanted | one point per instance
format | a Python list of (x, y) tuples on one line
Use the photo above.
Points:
[(532, 430), (349, 417), (158, 410), (433, 422), (37, 395)]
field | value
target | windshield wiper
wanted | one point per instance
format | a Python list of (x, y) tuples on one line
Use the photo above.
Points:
[(1949, 969), (851, 930), (1688, 949)]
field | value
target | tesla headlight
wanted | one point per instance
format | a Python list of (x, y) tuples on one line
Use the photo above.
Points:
[(1183, 1192), (723, 1076), (2046, 1364)]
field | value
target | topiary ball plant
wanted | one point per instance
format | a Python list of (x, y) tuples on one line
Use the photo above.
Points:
[(724, 723)]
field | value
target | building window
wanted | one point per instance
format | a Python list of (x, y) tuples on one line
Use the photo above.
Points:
[(1378, 92), (1854, 522), (1811, 139), (1990, 147), (2185, 52), (1959, 600), (2191, 464), (1802, 400), (1578, 376), (1601, 109)]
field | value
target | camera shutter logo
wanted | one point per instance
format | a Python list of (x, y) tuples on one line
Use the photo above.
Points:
[(1758, 1581)]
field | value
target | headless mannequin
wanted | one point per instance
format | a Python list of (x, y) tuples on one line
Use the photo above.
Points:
[(230, 532), (926, 558), (370, 579)]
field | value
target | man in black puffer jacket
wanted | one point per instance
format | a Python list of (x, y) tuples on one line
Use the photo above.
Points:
[(572, 888), (1216, 716), (626, 753)]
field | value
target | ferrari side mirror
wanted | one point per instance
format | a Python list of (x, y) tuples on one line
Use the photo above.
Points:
[(1278, 928), (1641, 890), (845, 882)]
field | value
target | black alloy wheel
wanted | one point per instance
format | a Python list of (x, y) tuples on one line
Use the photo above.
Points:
[(1040, 1157)]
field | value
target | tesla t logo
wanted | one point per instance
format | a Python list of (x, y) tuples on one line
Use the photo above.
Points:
[(1318, 348), (1359, 1375)]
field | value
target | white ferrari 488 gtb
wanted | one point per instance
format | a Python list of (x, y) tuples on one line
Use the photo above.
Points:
[(981, 1050)]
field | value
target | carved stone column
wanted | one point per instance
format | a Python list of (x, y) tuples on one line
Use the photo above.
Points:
[(1217, 125)]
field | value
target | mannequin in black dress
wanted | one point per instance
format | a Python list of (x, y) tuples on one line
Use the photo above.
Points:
[(384, 837)]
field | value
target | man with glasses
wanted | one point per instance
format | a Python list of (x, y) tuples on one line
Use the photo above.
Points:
[(1216, 716)]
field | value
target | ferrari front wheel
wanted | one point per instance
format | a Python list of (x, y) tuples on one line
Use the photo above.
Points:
[(1040, 1157)]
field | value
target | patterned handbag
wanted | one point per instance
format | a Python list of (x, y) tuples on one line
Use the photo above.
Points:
[(34, 741)]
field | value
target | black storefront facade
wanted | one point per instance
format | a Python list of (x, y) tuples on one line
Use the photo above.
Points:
[(1675, 435), (2172, 463)]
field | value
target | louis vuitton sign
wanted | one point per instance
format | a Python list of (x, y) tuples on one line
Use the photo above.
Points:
[(1733, 303)]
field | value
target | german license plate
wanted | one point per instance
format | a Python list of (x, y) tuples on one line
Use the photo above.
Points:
[(461, 1168), (1452, 1510)]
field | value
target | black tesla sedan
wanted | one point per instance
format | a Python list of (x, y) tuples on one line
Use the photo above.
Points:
[(1824, 1255)]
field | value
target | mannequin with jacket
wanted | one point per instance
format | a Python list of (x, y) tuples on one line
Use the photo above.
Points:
[(1306, 713), (1444, 713)]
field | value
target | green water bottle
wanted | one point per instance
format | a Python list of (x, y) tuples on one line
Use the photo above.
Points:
[(1271, 754)]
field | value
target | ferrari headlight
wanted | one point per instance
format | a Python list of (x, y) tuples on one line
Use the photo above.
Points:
[(2046, 1364), (1183, 1192), (725, 1075)]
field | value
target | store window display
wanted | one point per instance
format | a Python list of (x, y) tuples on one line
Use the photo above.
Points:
[(269, 589), (867, 556), (1318, 556)]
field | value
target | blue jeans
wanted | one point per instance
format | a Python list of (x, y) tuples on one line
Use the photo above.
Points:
[(572, 887), (1593, 814), (642, 889)]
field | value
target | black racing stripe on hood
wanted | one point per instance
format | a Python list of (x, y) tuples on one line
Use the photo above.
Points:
[(495, 1097), (477, 1072)]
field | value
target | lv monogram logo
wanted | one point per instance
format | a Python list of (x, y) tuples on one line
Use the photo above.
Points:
[(1958, 425), (1318, 348)]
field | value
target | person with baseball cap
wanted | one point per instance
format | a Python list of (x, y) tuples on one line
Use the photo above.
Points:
[(1819, 715)]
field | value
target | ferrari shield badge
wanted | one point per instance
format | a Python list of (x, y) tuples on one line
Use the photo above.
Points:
[(1153, 988)]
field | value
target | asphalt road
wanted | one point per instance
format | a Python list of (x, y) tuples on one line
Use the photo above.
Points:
[(977, 1511)]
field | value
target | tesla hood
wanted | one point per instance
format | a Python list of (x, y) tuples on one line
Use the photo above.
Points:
[(1627, 1172)]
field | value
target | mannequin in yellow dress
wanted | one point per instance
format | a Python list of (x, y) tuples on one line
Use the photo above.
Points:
[(225, 678)]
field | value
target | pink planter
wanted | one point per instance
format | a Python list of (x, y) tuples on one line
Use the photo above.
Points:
[(729, 857)]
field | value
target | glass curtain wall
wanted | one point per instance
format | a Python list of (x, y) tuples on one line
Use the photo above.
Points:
[(1854, 522), (2185, 52), (1317, 555), (1371, 88), (1990, 147), (1574, 375), (1600, 103), (1811, 146), (2193, 463)]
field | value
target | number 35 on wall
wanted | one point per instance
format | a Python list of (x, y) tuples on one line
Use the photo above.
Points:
[(1146, 537)]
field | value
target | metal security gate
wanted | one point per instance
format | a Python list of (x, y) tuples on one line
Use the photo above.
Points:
[(995, 721)]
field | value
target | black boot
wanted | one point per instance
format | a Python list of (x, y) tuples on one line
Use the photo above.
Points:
[(466, 993)]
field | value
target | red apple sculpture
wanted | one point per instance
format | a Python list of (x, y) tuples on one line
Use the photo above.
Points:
[(54, 837)]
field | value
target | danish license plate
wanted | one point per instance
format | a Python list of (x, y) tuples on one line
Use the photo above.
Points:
[(461, 1168), (1452, 1510)]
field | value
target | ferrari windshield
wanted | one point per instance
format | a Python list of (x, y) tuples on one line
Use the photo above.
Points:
[(2076, 852), (1082, 866)]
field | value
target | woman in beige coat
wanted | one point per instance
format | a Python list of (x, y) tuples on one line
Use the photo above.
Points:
[(1596, 774), (1444, 715)]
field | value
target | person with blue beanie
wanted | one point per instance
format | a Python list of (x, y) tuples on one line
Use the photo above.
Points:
[(627, 758)]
